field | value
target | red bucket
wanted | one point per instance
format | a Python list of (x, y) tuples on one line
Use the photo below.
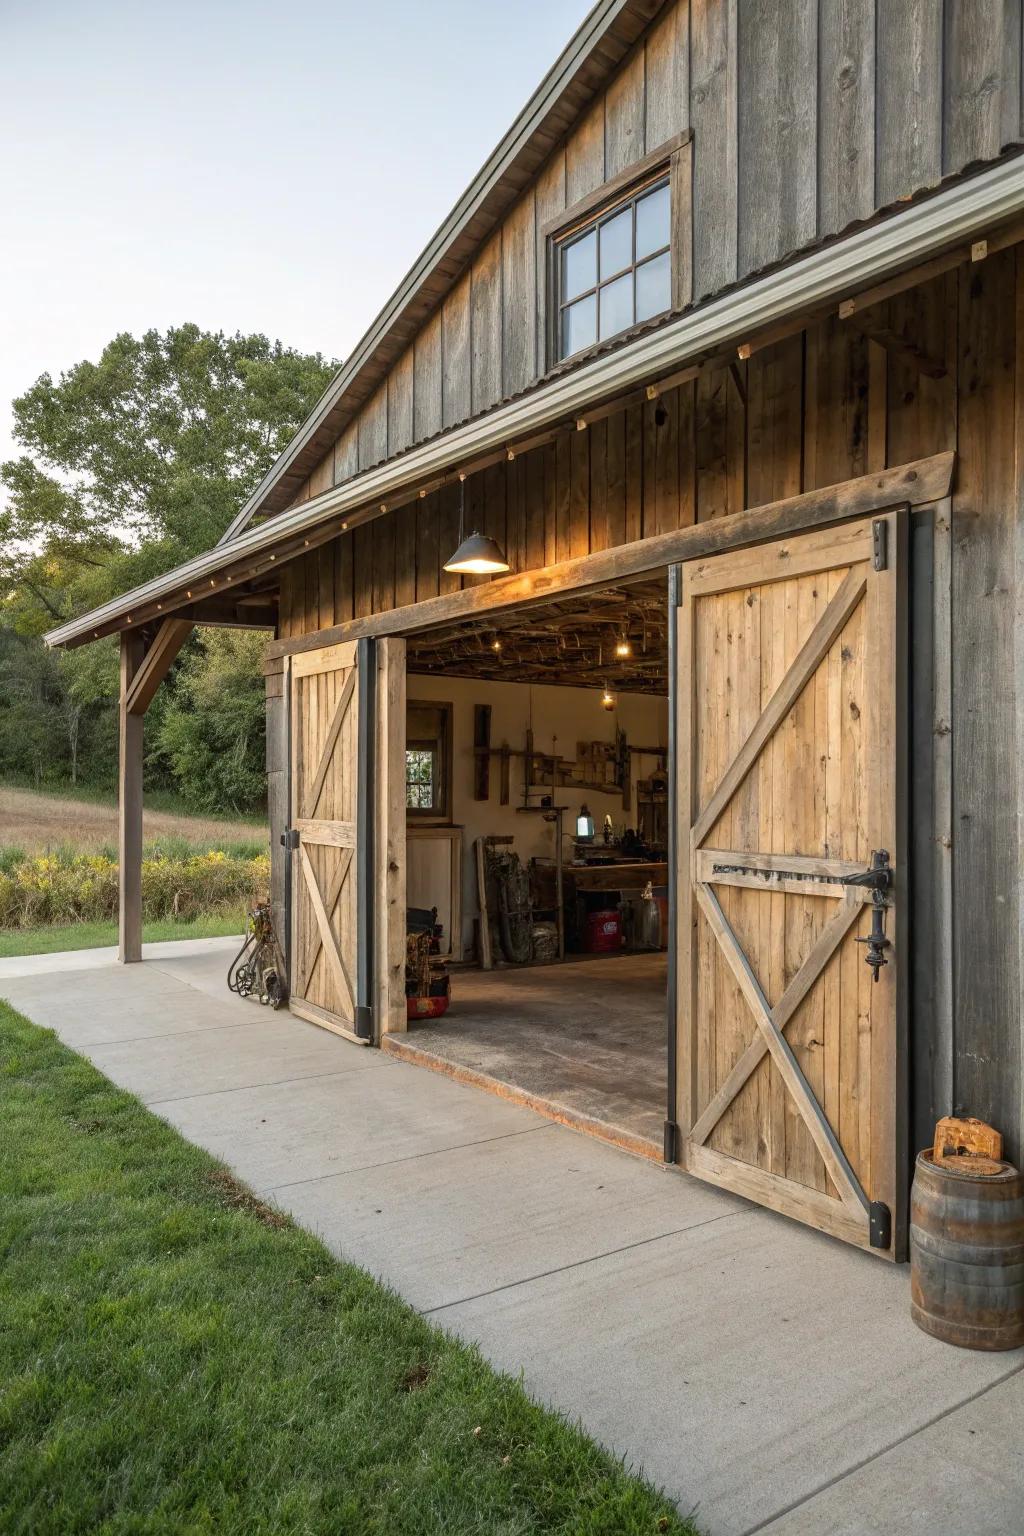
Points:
[(603, 932)]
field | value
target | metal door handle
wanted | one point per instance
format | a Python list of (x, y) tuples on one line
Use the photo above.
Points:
[(877, 878)]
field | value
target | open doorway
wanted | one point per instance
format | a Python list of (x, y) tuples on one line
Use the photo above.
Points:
[(537, 832)]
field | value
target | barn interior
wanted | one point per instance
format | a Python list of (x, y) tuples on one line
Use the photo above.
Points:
[(537, 831)]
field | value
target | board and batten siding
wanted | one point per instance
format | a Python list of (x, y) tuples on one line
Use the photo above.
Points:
[(806, 116), (820, 407)]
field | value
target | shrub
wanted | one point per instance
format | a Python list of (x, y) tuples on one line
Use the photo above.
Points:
[(79, 888)]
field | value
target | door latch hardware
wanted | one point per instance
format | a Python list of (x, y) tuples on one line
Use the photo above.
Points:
[(290, 839), (879, 1225), (879, 544), (877, 878)]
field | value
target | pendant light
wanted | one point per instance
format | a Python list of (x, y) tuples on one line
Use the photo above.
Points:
[(478, 555)]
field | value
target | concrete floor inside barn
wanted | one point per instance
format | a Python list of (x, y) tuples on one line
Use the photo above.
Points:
[(766, 1376), (589, 1036)]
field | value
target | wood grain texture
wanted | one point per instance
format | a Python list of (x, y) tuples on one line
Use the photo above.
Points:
[(400, 404), (981, 75), (777, 132), (584, 155), (792, 1070), (427, 393), (807, 116), (519, 298), (846, 113), (667, 72), (456, 355), (908, 50), (346, 454), (373, 430), (986, 698), (808, 414), (624, 117), (486, 327), (713, 116)]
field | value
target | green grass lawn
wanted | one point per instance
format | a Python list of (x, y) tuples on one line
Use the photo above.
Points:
[(175, 1357), (48, 941)]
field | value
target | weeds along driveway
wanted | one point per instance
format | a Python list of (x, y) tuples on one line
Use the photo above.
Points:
[(765, 1375)]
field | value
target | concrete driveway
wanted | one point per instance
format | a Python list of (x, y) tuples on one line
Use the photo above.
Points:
[(768, 1378)]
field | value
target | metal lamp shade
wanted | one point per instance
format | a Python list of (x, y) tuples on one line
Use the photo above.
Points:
[(478, 556)]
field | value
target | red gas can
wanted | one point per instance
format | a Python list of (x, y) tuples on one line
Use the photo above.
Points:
[(603, 932)]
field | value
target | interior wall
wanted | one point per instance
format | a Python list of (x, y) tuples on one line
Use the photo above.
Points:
[(560, 717)]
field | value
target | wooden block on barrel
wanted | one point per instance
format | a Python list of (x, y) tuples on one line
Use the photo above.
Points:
[(956, 1136)]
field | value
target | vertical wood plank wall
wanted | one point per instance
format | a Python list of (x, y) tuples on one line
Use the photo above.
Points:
[(805, 117), (805, 412)]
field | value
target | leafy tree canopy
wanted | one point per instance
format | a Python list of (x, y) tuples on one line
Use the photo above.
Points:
[(136, 462)]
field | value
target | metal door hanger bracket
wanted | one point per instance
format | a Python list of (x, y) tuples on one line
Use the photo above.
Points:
[(879, 544)]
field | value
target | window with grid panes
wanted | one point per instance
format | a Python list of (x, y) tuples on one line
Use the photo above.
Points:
[(420, 778), (615, 270)]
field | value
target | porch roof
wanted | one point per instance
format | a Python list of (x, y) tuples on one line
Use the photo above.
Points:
[(751, 315)]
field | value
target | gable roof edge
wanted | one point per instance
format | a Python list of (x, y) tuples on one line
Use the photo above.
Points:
[(578, 51)]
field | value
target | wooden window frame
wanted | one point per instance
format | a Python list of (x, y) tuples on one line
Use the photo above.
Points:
[(671, 160), (442, 815)]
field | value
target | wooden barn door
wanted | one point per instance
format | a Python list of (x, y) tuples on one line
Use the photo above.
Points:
[(790, 716), (347, 753)]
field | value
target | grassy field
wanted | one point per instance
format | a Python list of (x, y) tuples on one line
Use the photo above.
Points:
[(62, 936), (177, 1357), (33, 822)]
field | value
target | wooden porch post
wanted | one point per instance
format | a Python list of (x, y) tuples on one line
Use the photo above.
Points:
[(129, 809), (142, 670)]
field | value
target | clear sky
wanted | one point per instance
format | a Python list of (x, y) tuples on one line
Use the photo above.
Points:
[(243, 164)]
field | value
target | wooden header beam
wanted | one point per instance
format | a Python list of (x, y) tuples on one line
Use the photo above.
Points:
[(915, 484)]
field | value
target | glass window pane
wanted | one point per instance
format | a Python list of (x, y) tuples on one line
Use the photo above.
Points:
[(419, 779), (617, 244), (579, 265), (652, 222), (617, 306), (579, 326), (654, 286)]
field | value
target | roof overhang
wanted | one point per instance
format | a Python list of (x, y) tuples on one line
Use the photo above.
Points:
[(904, 239), (592, 55)]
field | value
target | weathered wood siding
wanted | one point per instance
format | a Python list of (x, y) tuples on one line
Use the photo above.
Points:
[(806, 114), (809, 411)]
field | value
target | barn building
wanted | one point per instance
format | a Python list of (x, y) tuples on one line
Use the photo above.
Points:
[(708, 748)]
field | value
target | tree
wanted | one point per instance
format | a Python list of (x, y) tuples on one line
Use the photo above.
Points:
[(131, 465), (89, 685), (212, 734), (139, 461)]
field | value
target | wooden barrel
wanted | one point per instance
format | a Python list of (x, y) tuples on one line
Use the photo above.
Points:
[(967, 1253)]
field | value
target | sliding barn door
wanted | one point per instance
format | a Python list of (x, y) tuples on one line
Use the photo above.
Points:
[(347, 705), (790, 712)]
